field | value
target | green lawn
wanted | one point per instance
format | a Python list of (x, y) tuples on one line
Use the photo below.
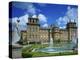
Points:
[(27, 51)]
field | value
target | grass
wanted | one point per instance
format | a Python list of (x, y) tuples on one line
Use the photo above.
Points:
[(41, 54), (27, 52)]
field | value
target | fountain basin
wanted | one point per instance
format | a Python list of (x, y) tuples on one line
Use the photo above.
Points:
[(53, 50), (65, 48)]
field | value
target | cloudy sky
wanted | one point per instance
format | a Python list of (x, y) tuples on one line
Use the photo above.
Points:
[(47, 13)]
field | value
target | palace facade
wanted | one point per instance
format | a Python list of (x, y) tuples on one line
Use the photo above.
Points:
[(36, 34)]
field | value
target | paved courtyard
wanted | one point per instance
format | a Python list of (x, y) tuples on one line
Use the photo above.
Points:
[(16, 53)]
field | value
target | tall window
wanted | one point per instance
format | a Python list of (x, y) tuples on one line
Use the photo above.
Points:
[(33, 29), (33, 21)]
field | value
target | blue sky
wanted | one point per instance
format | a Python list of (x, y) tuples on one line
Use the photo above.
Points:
[(47, 13)]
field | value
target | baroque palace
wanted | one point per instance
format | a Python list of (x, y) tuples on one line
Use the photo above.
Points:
[(36, 34)]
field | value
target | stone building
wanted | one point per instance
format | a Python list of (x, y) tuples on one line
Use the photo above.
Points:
[(66, 34), (72, 30), (36, 34), (44, 35), (33, 28), (23, 37), (56, 33), (63, 35)]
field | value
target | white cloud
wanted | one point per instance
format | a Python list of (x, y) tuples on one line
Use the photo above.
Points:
[(22, 23), (70, 15), (34, 16), (14, 20), (31, 9), (42, 18), (45, 25), (27, 6), (62, 27), (59, 20), (62, 21), (23, 19)]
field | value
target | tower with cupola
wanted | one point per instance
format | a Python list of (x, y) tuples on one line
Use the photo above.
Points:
[(72, 30), (33, 30)]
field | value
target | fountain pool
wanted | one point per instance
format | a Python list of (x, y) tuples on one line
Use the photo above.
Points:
[(51, 49)]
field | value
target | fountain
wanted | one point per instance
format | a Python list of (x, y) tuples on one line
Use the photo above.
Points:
[(52, 49), (51, 43)]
